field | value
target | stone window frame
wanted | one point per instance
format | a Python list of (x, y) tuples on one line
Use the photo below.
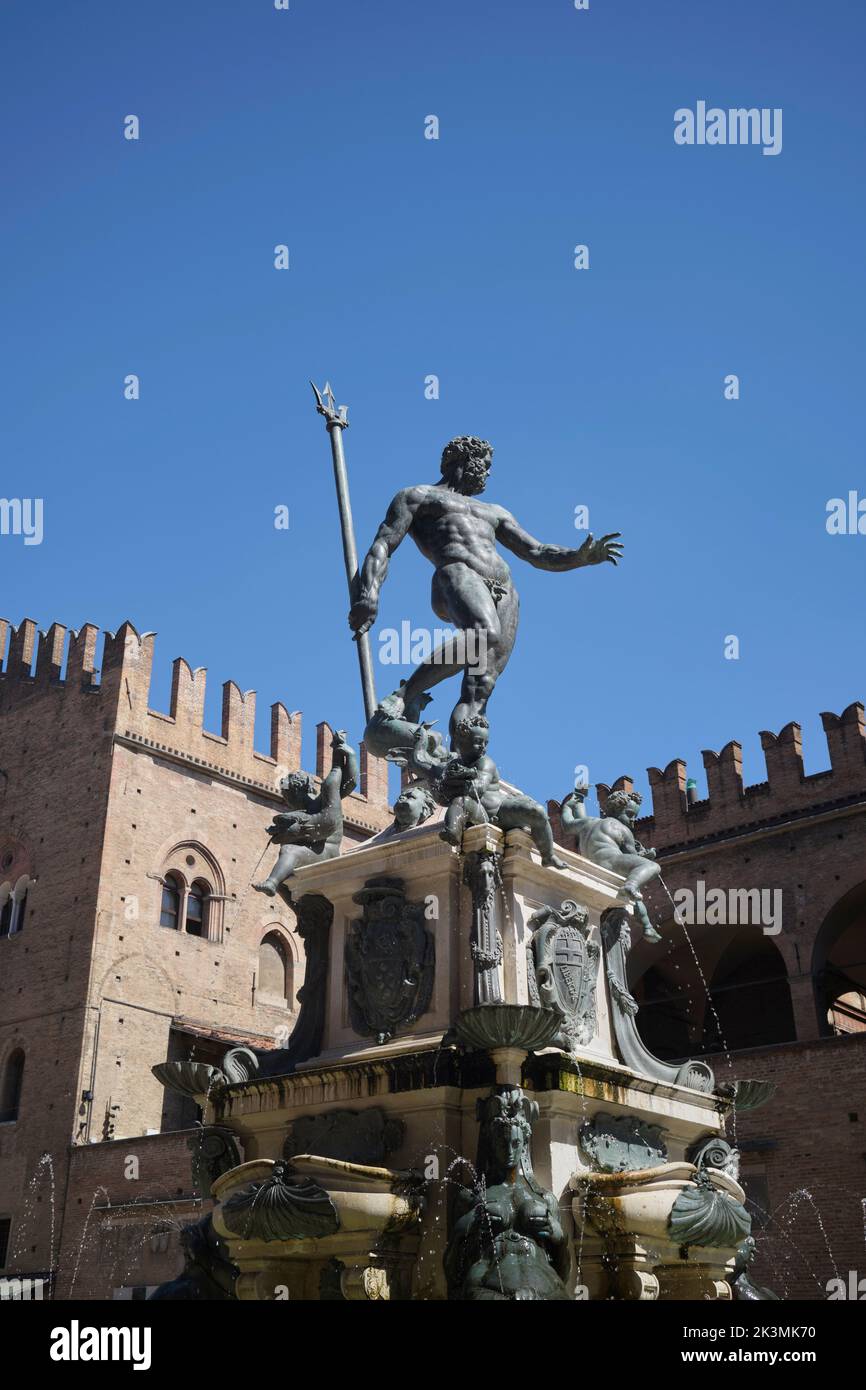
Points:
[(204, 871)]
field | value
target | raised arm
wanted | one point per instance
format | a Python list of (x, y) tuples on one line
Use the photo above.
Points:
[(555, 557), (389, 535), (343, 777), (573, 810)]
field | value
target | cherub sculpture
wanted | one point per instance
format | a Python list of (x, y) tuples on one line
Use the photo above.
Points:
[(507, 1242), (312, 828), (608, 840), (468, 786)]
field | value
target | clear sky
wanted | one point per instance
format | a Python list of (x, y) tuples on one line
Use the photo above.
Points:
[(408, 257)]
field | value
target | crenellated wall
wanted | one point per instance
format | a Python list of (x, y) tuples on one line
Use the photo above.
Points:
[(34, 670), (730, 805)]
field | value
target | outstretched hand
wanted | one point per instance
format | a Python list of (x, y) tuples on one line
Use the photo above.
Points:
[(608, 548)]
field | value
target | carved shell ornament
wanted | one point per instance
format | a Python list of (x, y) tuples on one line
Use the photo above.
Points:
[(283, 1207), (702, 1215)]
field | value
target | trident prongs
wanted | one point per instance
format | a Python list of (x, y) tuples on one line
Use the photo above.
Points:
[(326, 405)]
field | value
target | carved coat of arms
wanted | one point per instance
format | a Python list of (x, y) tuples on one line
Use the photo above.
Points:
[(390, 961), (562, 966)]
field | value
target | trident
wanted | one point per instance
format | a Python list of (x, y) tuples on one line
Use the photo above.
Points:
[(337, 420)]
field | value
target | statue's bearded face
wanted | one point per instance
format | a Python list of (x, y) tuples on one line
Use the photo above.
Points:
[(466, 462), (471, 478)]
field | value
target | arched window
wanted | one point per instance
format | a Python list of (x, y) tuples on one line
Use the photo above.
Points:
[(13, 905), (750, 996), (196, 909), (10, 1093), (193, 891), (19, 910), (847, 1013), (274, 983), (839, 966), (663, 1021), (171, 897)]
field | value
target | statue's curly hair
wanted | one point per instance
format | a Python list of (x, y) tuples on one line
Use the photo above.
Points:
[(618, 800), (475, 721), (296, 784), (463, 448)]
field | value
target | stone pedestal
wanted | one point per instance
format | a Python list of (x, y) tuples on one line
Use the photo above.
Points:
[(395, 1102)]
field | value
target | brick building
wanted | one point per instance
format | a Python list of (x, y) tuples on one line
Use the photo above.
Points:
[(767, 977), (128, 935)]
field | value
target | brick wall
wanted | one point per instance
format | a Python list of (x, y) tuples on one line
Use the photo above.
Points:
[(127, 1202), (809, 1139), (99, 795)]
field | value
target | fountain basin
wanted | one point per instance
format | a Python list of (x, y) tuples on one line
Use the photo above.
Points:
[(364, 1198), (641, 1203)]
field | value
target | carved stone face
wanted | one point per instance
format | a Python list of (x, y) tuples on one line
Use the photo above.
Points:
[(410, 808), (507, 1142)]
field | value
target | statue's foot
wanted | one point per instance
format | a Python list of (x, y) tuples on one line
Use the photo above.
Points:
[(650, 933), (551, 861), (450, 838), (267, 887)]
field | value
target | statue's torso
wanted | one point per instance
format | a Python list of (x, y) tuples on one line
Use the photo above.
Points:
[(514, 1257), (602, 833), (449, 528)]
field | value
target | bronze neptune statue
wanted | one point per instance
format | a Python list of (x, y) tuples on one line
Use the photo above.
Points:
[(472, 584)]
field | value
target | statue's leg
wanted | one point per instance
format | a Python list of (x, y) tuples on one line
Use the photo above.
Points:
[(486, 628), (455, 819), (450, 658), (638, 871), (290, 857), (521, 813), (479, 681)]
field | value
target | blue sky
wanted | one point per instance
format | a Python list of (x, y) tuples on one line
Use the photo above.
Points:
[(409, 257)]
